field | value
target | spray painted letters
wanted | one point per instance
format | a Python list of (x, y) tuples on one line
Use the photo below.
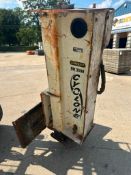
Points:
[(77, 100)]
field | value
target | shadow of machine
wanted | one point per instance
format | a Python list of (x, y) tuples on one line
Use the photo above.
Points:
[(97, 155)]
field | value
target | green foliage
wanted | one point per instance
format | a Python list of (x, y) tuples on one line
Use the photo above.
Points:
[(22, 27), (9, 26), (30, 5), (27, 36), (16, 28), (44, 4)]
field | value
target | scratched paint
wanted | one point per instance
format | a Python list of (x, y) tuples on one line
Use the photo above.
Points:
[(73, 67)]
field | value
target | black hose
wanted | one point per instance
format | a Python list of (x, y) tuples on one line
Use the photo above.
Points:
[(103, 79), (1, 112)]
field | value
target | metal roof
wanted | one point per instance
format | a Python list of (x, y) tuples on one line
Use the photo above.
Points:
[(125, 8)]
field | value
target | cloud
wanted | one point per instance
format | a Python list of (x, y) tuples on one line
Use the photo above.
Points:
[(110, 3), (19, 3), (104, 4), (10, 4), (119, 3), (4, 2)]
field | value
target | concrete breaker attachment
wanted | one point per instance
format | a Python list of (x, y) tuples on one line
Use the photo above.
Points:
[(73, 41)]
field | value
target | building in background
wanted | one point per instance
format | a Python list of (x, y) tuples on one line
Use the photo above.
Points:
[(121, 30)]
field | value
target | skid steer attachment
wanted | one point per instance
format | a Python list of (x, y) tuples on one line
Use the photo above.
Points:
[(73, 41)]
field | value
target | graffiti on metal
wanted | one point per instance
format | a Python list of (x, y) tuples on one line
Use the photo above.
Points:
[(77, 96)]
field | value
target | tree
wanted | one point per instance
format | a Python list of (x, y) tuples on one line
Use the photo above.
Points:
[(27, 36), (30, 5), (9, 26), (44, 4), (20, 13), (19, 26)]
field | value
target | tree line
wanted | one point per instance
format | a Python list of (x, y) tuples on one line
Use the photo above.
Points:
[(21, 26), (16, 28)]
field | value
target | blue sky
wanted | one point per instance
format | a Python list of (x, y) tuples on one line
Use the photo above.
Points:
[(78, 3)]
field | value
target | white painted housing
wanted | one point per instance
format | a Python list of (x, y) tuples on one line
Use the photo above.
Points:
[(73, 65)]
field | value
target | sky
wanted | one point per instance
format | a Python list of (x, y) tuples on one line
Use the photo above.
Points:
[(78, 3)]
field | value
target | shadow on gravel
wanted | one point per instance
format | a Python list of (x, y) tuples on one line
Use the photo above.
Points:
[(96, 156), (126, 74)]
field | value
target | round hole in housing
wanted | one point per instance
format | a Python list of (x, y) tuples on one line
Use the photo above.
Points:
[(79, 28)]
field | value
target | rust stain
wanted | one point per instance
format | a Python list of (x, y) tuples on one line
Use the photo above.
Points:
[(51, 36), (54, 95), (75, 128), (50, 125), (58, 11), (88, 42), (80, 137), (84, 109)]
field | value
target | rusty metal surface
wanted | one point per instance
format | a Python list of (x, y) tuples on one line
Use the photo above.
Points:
[(51, 46), (46, 104), (60, 44), (83, 10), (30, 125), (73, 67), (50, 37)]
